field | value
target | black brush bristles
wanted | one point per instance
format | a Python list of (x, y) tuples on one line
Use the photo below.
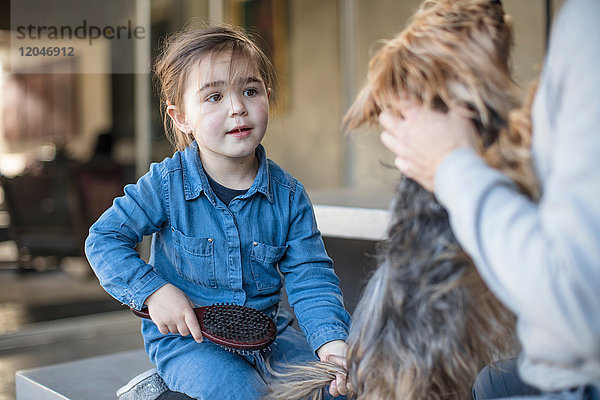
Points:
[(237, 323), (237, 328)]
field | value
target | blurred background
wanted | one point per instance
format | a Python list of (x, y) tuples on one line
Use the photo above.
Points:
[(74, 129)]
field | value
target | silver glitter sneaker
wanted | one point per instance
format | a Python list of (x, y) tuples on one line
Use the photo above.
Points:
[(146, 386)]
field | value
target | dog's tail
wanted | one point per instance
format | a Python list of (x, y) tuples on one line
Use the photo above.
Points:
[(309, 381), (302, 381)]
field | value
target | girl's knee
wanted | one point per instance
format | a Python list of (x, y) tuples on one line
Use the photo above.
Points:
[(210, 372)]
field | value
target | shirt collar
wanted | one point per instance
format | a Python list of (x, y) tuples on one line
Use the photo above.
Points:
[(195, 180), (262, 182)]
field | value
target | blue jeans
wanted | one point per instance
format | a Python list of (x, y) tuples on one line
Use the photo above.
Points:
[(501, 380), (207, 371)]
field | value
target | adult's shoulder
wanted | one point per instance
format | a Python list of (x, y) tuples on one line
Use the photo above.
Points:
[(574, 53), (579, 9), (577, 23)]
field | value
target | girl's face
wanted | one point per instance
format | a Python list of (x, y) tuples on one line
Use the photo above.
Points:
[(228, 116)]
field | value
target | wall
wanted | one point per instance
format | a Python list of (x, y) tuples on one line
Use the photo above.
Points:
[(307, 139), (305, 136)]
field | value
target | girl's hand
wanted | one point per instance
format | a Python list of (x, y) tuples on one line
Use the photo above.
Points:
[(172, 311), (423, 137), (335, 351)]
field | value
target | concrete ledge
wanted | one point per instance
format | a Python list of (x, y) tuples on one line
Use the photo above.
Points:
[(61, 330), (352, 222), (351, 214), (95, 378)]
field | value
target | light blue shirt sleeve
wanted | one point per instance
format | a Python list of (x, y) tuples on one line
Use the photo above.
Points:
[(543, 259), (310, 280)]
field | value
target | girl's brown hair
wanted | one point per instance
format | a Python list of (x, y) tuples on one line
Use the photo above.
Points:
[(184, 50)]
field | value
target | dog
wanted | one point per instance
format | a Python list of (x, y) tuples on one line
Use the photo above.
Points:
[(426, 323)]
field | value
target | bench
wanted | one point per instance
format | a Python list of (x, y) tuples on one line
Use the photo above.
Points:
[(95, 378)]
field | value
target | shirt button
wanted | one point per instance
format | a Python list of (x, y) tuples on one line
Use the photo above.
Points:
[(210, 240), (254, 244)]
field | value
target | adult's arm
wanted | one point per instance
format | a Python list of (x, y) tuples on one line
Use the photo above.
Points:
[(543, 260)]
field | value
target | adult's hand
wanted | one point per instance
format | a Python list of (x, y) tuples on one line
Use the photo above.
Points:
[(421, 138)]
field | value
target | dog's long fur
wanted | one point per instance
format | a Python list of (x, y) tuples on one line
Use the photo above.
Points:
[(426, 322)]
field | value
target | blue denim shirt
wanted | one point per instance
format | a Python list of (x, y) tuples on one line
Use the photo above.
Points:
[(217, 253)]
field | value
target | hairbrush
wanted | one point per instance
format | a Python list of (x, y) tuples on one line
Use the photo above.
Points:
[(237, 328)]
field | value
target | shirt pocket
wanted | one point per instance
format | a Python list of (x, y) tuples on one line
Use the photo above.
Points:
[(263, 264), (195, 259)]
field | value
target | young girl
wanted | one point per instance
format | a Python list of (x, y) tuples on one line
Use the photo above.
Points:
[(226, 223)]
